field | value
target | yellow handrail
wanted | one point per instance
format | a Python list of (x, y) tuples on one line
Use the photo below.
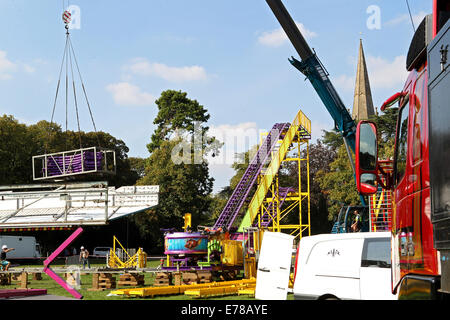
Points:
[(137, 260)]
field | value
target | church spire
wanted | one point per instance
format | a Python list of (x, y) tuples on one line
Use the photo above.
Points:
[(362, 101)]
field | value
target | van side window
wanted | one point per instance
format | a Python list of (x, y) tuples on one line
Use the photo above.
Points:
[(376, 253), (402, 144)]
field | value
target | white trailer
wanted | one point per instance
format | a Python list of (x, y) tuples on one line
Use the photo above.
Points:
[(25, 247)]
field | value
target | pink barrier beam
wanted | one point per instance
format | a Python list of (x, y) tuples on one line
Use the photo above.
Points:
[(63, 246), (52, 257), (22, 293), (62, 283)]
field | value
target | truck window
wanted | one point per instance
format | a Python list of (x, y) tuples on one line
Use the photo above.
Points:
[(418, 119), (376, 253), (402, 145)]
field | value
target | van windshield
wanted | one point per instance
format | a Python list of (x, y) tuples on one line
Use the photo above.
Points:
[(376, 253)]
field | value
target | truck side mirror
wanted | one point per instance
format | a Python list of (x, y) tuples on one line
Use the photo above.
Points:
[(366, 153)]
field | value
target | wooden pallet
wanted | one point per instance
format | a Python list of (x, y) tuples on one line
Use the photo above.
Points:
[(131, 279), (5, 279), (102, 281), (177, 281), (22, 278), (106, 281), (162, 279), (37, 276), (204, 276), (189, 278), (228, 275)]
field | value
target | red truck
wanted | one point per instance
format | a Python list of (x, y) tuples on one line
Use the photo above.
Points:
[(420, 181)]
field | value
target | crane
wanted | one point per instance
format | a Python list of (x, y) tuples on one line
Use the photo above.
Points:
[(311, 66)]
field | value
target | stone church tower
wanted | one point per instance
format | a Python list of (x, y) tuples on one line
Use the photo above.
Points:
[(362, 101)]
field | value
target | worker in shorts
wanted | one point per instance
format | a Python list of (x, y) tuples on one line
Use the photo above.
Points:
[(84, 257), (356, 226), (4, 263)]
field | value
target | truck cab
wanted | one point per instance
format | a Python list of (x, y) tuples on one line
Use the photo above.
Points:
[(420, 180)]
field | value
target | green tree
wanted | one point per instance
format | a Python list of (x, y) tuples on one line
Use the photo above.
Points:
[(185, 185), (217, 203), (176, 112), (332, 139), (137, 166), (19, 143), (16, 149), (386, 124), (184, 188), (241, 165), (339, 183)]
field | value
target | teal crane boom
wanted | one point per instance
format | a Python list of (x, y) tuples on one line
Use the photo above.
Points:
[(315, 72), (313, 69)]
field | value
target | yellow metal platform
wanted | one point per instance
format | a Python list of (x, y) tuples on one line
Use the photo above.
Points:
[(199, 290), (222, 290)]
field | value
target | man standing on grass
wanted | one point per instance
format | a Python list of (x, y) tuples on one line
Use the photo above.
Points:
[(84, 257)]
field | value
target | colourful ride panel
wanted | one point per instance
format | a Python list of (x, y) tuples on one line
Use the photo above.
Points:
[(185, 243)]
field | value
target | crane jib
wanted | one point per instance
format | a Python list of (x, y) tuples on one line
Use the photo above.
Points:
[(317, 75)]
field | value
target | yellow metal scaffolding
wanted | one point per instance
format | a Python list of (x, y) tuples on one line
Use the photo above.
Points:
[(289, 212), (298, 132)]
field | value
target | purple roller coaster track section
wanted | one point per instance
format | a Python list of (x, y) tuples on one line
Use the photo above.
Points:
[(240, 194), (87, 161)]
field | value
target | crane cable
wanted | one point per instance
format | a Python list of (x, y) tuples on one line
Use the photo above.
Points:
[(410, 16), (68, 56)]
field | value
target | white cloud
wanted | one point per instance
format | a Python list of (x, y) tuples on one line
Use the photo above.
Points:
[(222, 174), (127, 94), (236, 138), (405, 18), (317, 127), (417, 18), (278, 37), (6, 66), (144, 67), (386, 74), (28, 69), (345, 82), (382, 74)]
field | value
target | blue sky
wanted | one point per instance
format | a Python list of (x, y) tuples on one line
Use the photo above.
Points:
[(231, 56)]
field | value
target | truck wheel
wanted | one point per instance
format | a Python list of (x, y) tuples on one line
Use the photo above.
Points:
[(328, 297)]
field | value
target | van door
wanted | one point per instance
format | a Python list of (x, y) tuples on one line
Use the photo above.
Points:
[(274, 266), (375, 272)]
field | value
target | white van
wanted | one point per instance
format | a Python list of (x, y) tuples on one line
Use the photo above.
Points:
[(344, 266), (25, 248)]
